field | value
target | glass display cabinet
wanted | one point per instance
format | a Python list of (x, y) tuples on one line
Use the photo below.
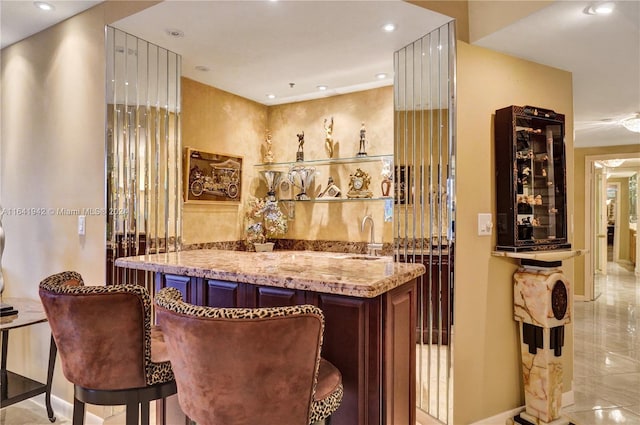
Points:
[(531, 192)]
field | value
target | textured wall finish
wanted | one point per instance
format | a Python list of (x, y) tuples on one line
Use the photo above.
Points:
[(216, 121), (220, 122)]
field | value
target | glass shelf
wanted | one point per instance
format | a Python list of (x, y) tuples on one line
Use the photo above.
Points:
[(329, 200), (328, 161)]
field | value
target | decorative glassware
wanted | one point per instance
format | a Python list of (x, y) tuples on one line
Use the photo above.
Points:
[(302, 177), (272, 178)]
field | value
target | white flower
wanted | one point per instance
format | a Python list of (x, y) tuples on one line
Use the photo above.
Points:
[(265, 220)]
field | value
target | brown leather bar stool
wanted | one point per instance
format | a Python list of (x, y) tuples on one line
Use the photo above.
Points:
[(246, 366), (107, 347)]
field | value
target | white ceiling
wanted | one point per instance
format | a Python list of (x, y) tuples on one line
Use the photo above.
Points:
[(339, 43), (254, 48), (20, 18), (602, 52)]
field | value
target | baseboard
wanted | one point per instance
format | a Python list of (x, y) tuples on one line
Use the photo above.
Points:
[(568, 398), (62, 408), (580, 298), (501, 418)]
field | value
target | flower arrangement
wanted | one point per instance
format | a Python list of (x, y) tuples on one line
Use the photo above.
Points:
[(265, 220)]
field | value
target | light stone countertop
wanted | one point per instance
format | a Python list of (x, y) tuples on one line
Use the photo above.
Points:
[(328, 272)]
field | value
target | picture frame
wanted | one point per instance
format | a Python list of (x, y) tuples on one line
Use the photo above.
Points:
[(212, 177)]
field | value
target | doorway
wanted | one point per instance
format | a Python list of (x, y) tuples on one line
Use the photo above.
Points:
[(611, 201)]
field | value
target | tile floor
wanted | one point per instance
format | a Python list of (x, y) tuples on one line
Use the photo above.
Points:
[(606, 363), (607, 352)]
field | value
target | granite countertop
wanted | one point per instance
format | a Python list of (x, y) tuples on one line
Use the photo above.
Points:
[(328, 272)]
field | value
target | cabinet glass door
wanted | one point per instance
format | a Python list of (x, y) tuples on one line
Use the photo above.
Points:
[(540, 179)]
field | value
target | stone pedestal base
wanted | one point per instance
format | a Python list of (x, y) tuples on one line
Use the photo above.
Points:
[(525, 419), (542, 305), (542, 376)]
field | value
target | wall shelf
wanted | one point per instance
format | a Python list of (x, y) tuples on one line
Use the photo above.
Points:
[(328, 161)]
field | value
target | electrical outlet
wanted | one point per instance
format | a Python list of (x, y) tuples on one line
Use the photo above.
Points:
[(485, 224)]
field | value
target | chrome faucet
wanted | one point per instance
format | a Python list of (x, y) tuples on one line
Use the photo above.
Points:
[(372, 247), (364, 222)]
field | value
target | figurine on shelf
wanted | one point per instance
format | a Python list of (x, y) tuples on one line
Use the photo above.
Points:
[(268, 156), (331, 191), (361, 151), (300, 153), (328, 140)]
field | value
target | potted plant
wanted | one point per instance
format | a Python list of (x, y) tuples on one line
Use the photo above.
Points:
[(265, 221)]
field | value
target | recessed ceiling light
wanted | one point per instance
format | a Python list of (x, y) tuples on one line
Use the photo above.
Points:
[(600, 9), (271, 96), (202, 68), (175, 33), (389, 27), (43, 5), (322, 87), (381, 76)]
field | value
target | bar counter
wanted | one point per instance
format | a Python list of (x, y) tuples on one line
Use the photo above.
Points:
[(327, 272), (369, 305)]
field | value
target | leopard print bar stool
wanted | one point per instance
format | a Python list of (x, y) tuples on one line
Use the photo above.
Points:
[(108, 349), (244, 366)]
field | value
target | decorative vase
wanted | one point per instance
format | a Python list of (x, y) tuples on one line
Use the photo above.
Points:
[(273, 179), (303, 175), (264, 247), (385, 186)]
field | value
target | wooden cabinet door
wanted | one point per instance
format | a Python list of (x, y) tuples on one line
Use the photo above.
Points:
[(352, 342), (220, 293), (188, 286), (261, 296)]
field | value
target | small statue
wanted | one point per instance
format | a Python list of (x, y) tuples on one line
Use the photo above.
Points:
[(268, 156), (328, 141), (300, 153), (361, 151)]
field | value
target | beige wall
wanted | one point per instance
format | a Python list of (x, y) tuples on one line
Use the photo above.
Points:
[(579, 197), (487, 17), (337, 220), (459, 9), (220, 122), (52, 156), (486, 351)]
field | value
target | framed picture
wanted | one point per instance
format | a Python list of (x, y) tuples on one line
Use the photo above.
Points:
[(211, 177)]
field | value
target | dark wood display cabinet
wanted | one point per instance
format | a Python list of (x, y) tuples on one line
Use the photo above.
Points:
[(531, 189)]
